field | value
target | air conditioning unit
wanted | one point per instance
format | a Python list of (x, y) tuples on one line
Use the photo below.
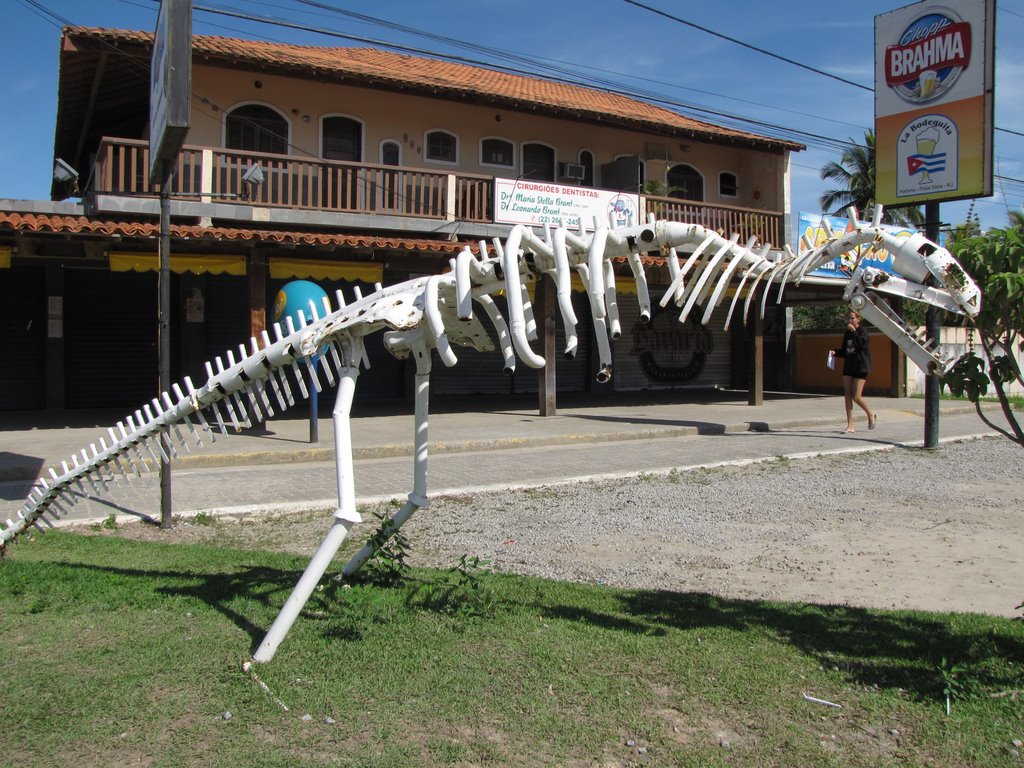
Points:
[(574, 171)]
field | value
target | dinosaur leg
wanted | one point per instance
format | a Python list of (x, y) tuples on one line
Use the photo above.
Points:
[(418, 497), (344, 518)]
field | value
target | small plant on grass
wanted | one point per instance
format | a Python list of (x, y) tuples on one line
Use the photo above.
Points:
[(109, 522), (461, 593), (203, 518), (954, 682), (476, 598), (387, 566)]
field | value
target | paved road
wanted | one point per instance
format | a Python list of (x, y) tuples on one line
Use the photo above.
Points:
[(299, 480)]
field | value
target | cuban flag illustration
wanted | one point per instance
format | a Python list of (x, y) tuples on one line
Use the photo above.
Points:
[(926, 164)]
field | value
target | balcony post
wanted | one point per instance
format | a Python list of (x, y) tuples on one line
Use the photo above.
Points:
[(449, 208), (206, 177)]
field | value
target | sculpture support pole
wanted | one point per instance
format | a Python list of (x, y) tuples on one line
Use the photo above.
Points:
[(164, 343), (933, 330), (418, 497), (344, 518)]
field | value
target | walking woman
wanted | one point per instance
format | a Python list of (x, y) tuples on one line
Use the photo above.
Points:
[(856, 354)]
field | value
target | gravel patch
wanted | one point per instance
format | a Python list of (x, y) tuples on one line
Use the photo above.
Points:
[(901, 528)]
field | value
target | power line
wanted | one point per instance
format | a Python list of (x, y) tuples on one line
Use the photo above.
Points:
[(748, 45)]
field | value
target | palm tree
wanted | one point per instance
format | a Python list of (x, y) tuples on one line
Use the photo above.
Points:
[(855, 173), (1016, 218)]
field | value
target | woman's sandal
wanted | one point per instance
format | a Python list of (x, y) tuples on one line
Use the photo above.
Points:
[(872, 420)]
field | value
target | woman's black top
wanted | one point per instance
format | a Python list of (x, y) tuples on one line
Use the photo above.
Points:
[(856, 353)]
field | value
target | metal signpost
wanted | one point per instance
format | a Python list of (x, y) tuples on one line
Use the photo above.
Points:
[(934, 76), (169, 112)]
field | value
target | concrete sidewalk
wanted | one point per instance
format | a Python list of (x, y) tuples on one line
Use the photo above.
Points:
[(279, 471), (31, 442)]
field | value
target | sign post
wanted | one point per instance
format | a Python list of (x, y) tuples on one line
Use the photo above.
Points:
[(170, 102), (934, 79)]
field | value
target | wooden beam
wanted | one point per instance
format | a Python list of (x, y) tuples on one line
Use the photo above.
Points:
[(755, 360), (256, 277), (544, 312), (90, 108)]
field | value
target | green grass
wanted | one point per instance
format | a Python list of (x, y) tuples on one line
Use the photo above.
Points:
[(129, 653)]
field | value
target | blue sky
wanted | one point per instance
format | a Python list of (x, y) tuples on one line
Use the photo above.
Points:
[(609, 39)]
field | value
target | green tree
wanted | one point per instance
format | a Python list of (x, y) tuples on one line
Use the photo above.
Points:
[(659, 188), (961, 233), (855, 175), (996, 262)]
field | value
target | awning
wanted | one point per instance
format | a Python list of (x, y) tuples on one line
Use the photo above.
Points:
[(197, 263), (284, 268), (5, 257)]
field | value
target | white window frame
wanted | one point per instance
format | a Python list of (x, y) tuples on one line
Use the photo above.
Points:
[(511, 166), (736, 180), (552, 147), (233, 107), (593, 162), (380, 150), (362, 133), (426, 147)]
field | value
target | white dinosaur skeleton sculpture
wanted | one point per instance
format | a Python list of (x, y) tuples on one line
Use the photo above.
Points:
[(432, 313)]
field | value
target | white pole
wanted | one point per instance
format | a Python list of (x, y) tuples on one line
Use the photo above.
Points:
[(418, 497), (344, 518)]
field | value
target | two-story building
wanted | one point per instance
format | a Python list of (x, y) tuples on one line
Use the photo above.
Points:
[(349, 167)]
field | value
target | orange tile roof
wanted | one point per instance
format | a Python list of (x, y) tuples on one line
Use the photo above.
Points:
[(84, 225), (57, 224), (442, 78)]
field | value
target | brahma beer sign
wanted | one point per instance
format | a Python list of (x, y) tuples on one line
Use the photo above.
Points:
[(933, 101)]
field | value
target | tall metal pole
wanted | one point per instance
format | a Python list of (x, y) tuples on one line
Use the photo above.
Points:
[(164, 343), (933, 324)]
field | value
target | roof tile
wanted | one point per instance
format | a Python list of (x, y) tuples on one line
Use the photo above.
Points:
[(442, 77)]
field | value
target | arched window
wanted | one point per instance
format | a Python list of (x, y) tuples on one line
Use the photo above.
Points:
[(686, 181), (728, 184), (538, 162), (497, 152), (390, 153), (256, 128), (587, 161), (442, 147), (342, 139)]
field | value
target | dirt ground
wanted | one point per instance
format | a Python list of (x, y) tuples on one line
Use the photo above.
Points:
[(918, 533)]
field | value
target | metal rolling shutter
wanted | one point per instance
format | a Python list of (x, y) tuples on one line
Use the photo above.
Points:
[(23, 330), (629, 370), (110, 338), (476, 373), (483, 372), (226, 315)]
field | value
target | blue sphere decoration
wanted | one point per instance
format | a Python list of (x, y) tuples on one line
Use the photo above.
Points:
[(295, 297)]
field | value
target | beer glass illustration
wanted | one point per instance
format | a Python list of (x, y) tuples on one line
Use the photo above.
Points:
[(928, 81), (926, 140)]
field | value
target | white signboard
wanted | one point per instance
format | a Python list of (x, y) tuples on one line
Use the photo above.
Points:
[(517, 201), (170, 86), (934, 67)]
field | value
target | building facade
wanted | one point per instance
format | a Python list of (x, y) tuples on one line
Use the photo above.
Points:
[(349, 167)]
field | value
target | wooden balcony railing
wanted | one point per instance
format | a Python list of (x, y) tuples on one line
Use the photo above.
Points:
[(766, 226), (216, 175)]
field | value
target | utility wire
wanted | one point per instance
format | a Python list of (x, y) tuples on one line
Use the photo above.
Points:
[(749, 46)]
